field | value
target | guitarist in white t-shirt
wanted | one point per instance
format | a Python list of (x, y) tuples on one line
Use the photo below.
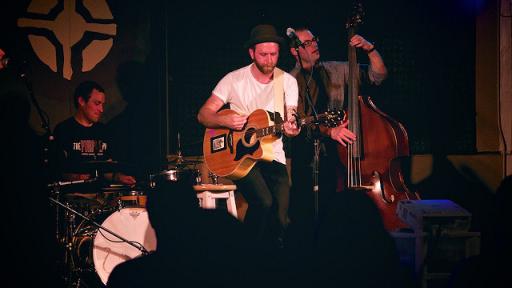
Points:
[(266, 185)]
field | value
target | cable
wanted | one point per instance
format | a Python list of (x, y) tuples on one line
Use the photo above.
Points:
[(142, 248), (505, 151)]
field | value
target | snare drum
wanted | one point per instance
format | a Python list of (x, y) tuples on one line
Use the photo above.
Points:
[(176, 174), (132, 198), (123, 196)]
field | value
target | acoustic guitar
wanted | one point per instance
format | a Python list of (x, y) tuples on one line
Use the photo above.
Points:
[(232, 154)]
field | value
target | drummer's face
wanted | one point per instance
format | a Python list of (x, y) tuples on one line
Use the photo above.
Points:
[(93, 108)]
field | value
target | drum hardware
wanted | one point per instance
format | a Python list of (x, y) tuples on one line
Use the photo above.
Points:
[(198, 177), (178, 166), (55, 191), (213, 177)]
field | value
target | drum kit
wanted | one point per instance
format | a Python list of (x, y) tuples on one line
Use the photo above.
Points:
[(102, 229)]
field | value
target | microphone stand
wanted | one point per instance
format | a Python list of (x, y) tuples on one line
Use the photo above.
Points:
[(316, 141), (45, 121), (180, 155)]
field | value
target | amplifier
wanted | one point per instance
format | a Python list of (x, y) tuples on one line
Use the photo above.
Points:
[(438, 215)]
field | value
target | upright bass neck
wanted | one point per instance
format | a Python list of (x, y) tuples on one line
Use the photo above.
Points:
[(353, 96)]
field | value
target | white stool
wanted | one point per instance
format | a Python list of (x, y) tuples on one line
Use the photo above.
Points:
[(208, 193)]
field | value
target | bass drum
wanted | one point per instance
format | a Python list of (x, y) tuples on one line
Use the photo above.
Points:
[(108, 251)]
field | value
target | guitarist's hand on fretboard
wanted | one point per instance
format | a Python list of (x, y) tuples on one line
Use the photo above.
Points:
[(290, 128)]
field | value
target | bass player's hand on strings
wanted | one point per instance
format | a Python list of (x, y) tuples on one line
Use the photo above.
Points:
[(341, 134)]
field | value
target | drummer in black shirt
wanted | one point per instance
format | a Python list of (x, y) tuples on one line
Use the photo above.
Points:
[(82, 143)]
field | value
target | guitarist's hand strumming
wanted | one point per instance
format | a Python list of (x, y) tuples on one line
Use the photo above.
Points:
[(234, 121)]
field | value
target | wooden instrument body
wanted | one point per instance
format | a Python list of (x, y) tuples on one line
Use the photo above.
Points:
[(373, 161), (384, 143), (232, 154)]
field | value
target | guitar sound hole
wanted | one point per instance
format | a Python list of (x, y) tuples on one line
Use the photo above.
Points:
[(248, 135)]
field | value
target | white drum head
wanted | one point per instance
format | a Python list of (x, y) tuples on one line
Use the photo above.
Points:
[(108, 251)]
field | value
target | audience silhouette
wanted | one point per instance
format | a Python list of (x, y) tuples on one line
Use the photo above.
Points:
[(486, 269), (353, 247), (195, 247), (133, 131), (30, 247)]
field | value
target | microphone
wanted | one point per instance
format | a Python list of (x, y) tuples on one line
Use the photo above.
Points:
[(5, 61), (16, 65), (290, 32), (14, 62), (22, 68)]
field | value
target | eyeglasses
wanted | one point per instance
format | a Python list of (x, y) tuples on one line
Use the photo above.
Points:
[(309, 42)]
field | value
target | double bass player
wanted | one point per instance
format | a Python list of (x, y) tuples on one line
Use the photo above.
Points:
[(326, 82)]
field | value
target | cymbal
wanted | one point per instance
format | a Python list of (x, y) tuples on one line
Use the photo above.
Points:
[(122, 187), (115, 188), (184, 160), (184, 163)]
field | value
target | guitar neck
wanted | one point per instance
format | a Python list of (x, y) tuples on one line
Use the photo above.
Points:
[(270, 130), (278, 128)]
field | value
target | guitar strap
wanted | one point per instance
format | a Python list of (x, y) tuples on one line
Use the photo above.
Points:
[(279, 92)]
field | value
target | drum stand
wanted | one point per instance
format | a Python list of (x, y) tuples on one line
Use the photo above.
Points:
[(55, 190), (73, 272), (65, 236)]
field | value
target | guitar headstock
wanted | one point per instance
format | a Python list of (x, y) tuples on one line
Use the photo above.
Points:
[(331, 118)]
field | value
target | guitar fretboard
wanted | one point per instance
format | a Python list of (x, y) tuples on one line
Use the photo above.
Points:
[(332, 116), (269, 130)]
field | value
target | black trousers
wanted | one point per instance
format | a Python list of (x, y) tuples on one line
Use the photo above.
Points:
[(266, 189)]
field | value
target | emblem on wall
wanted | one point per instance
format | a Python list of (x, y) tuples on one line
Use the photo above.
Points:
[(69, 35)]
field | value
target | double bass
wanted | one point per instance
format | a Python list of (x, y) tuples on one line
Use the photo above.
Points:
[(373, 161)]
